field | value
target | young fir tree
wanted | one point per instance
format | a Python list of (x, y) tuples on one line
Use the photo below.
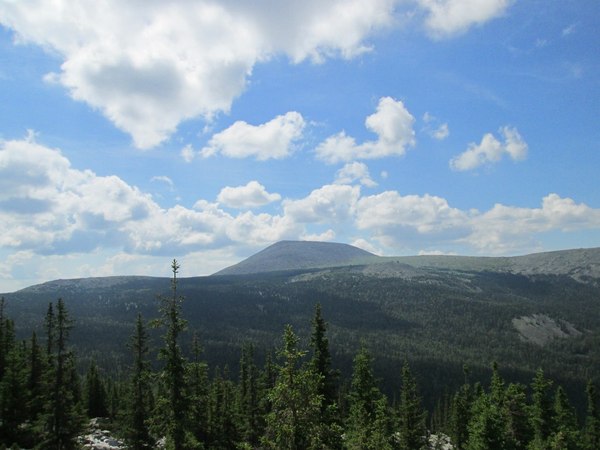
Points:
[(412, 432), (138, 406), (251, 426), (198, 388), (592, 419), (460, 412), (294, 421), (61, 420), (320, 364), (175, 406), (223, 431), (95, 393), (565, 430), (35, 379), (367, 424), (516, 409), (540, 411), (13, 389)]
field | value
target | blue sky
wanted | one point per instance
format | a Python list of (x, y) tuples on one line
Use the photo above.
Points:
[(133, 133)]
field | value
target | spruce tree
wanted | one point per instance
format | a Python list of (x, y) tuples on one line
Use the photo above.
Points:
[(411, 415), (248, 401), (592, 419), (460, 412), (138, 408), (541, 411), (565, 430), (320, 364), (61, 420), (95, 393), (198, 388), (13, 389), (519, 431), (293, 423), (367, 425), (176, 402)]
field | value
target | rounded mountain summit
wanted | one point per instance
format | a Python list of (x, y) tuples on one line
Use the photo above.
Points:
[(295, 255)]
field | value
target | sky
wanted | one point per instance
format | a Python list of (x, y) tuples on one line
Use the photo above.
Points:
[(132, 133)]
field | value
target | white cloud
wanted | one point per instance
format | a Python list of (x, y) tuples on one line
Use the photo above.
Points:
[(147, 66), (397, 221), (393, 125), (506, 229), (435, 128), (326, 236), (164, 179), (187, 153), (272, 140), (441, 132), (352, 172), (328, 204), (491, 150), (58, 221), (449, 17), (251, 195)]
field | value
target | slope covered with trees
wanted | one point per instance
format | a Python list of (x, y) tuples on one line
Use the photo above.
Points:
[(292, 399)]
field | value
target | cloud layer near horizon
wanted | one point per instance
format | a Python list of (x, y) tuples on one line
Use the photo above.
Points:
[(50, 208), (148, 66)]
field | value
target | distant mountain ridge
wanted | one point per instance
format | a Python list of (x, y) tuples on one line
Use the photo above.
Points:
[(438, 311), (295, 255), (580, 264)]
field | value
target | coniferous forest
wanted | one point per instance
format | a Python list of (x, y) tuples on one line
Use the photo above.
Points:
[(294, 398)]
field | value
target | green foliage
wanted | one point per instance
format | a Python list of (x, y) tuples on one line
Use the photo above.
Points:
[(294, 420), (592, 419), (173, 375), (139, 401), (367, 425), (411, 415)]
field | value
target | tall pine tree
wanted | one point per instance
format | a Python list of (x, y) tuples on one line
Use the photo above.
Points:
[(176, 404)]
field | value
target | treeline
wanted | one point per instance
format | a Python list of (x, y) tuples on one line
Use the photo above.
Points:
[(296, 400)]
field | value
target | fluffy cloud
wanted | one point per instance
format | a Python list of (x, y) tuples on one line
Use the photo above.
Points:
[(251, 195), (393, 125), (448, 17), (352, 172), (330, 203), (272, 140), (506, 229), (147, 66), (58, 221), (403, 221), (491, 150)]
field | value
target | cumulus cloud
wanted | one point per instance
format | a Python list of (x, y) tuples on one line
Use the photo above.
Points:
[(330, 203), (251, 195), (491, 150), (272, 140), (147, 66), (393, 125), (449, 17), (396, 220), (355, 171), (51, 212), (506, 229)]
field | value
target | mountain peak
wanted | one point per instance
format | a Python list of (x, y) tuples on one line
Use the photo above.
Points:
[(294, 255)]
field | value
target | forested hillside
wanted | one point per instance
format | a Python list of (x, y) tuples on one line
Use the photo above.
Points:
[(294, 399)]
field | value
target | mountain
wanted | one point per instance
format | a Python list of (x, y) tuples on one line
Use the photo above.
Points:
[(438, 312), (295, 255), (581, 264)]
